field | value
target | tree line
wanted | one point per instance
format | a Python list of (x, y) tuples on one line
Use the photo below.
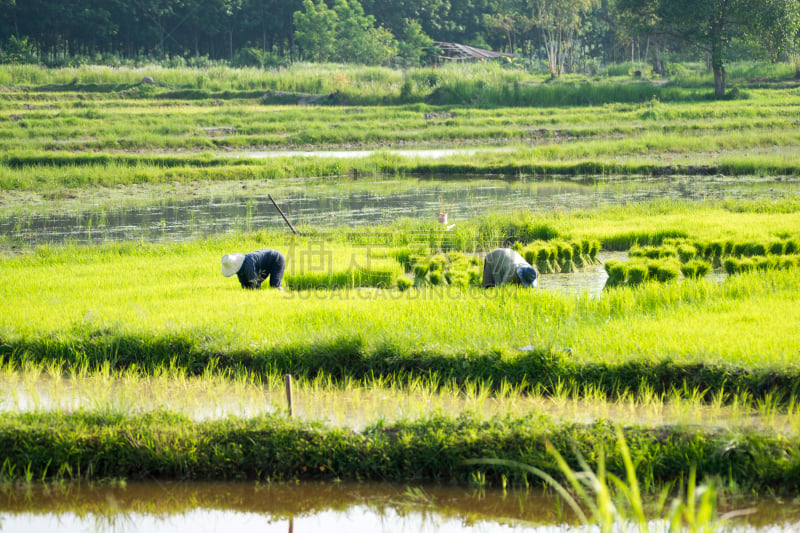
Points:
[(563, 35)]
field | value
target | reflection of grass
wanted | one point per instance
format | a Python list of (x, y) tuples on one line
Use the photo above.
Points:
[(348, 402), (612, 502)]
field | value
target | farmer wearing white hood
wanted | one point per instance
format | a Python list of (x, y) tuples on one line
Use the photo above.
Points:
[(254, 268), (504, 265)]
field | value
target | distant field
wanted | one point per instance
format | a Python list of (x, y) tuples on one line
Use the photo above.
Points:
[(101, 126)]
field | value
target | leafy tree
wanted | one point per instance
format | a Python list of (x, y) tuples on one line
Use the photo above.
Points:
[(432, 15), (231, 9), (358, 39), (559, 21), (712, 24), (638, 20), (315, 30), (160, 14), (509, 18), (343, 33), (414, 45), (17, 51), (777, 27)]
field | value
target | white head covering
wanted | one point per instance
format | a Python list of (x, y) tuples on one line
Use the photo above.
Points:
[(231, 264)]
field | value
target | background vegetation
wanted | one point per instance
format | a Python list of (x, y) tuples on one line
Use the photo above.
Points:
[(555, 36)]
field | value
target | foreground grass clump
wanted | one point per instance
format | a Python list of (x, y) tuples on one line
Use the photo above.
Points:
[(162, 445)]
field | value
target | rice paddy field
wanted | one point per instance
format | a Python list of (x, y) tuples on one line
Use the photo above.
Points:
[(132, 358)]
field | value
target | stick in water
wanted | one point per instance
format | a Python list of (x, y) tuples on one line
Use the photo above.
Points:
[(289, 394), (284, 216)]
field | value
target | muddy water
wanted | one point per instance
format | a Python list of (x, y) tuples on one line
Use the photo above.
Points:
[(357, 407), (180, 212), (307, 508)]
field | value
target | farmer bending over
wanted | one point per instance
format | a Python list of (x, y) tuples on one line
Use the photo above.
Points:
[(254, 268), (504, 265)]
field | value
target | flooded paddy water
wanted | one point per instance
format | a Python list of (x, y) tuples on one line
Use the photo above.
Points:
[(357, 406), (185, 211), (311, 508)]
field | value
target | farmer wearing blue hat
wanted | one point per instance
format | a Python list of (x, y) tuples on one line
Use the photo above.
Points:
[(504, 265), (254, 268)]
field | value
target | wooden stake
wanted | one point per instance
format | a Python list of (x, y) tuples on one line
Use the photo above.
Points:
[(284, 216), (288, 378)]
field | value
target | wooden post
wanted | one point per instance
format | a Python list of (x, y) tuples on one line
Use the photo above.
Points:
[(284, 216), (288, 378)]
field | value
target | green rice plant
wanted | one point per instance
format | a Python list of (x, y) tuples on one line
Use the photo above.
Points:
[(565, 257), (638, 273), (594, 248), (637, 251), (406, 257), (741, 249), (475, 277), (731, 265), (667, 270), (627, 240), (702, 248), (421, 270), (746, 264), (617, 273), (758, 249), (777, 247), (530, 255), (695, 269), (716, 249), (545, 259), (687, 252), (577, 255)]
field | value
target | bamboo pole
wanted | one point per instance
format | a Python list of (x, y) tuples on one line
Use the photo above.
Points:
[(284, 216)]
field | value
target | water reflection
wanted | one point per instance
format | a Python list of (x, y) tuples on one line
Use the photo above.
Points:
[(306, 507), (170, 214)]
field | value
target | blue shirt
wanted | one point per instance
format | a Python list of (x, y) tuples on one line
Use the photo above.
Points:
[(260, 265)]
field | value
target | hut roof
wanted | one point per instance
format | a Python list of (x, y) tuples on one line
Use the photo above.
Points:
[(461, 52)]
